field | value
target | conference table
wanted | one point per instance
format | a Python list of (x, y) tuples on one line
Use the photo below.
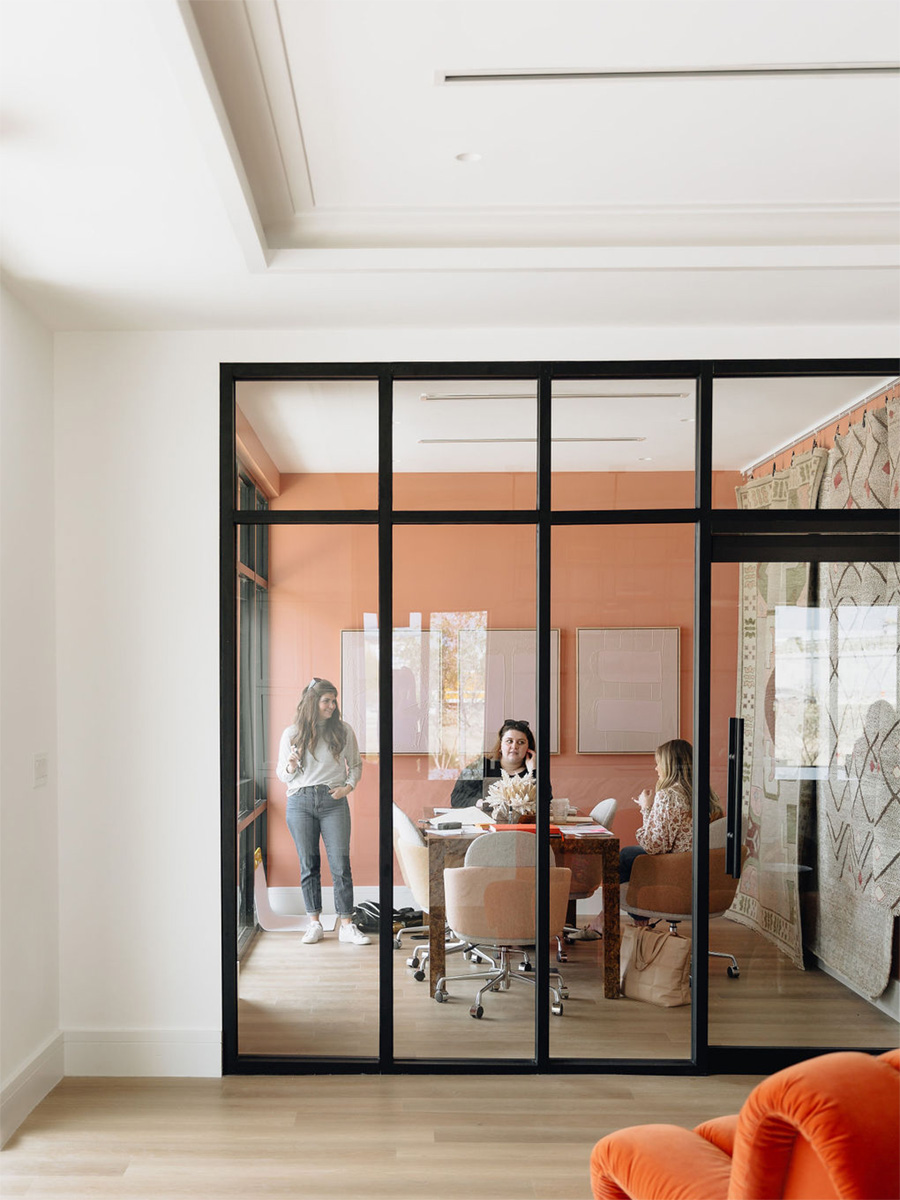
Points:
[(579, 853)]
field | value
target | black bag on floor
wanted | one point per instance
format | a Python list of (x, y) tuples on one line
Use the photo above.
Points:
[(367, 916)]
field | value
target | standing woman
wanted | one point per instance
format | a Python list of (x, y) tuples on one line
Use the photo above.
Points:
[(318, 759)]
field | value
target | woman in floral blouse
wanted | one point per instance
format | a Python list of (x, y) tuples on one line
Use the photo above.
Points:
[(668, 815)]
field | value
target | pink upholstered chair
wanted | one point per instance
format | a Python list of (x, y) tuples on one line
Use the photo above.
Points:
[(492, 907)]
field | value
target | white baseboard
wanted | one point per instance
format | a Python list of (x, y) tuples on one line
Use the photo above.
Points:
[(288, 901), (28, 1087), (888, 1002), (137, 1052)]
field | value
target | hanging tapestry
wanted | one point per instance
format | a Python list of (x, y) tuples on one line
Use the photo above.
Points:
[(858, 804), (768, 895)]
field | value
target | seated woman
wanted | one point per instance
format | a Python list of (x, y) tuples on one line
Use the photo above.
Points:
[(513, 752), (668, 815)]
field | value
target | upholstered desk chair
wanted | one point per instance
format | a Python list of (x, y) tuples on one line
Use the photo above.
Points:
[(825, 1129), (412, 857), (490, 903), (604, 813), (585, 880), (660, 887)]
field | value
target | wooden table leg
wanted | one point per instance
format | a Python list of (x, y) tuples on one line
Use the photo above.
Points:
[(437, 913), (611, 924)]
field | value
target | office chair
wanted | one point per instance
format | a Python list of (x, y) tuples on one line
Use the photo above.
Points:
[(412, 856), (604, 813), (660, 887), (271, 922), (490, 903), (588, 879)]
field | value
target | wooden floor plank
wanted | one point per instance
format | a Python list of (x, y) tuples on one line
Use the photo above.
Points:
[(429, 1137)]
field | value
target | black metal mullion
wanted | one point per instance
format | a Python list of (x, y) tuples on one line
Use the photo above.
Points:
[(385, 721), (701, 719), (542, 882), (227, 719)]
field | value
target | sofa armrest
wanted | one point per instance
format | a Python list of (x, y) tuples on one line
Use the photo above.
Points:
[(720, 1131), (658, 1162), (838, 1115)]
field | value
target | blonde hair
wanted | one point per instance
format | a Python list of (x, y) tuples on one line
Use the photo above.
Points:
[(675, 761)]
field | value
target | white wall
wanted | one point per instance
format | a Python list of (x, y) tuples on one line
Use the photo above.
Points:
[(31, 1058), (138, 693)]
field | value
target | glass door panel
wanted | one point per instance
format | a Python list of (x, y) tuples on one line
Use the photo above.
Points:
[(623, 443), (812, 924), (315, 998), (465, 444), (464, 663), (623, 597)]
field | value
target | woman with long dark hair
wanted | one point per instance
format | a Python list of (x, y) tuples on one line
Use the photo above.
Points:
[(513, 752), (319, 760)]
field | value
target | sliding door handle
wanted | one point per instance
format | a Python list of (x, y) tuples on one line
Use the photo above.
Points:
[(733, 809)]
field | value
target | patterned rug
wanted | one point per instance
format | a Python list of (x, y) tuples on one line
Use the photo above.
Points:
[(858, 856), (768, 897)]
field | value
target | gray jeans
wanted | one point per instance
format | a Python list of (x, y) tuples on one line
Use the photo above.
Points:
[(312, 812)]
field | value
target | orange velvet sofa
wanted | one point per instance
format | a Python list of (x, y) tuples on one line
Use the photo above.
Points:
[(823, 1129)]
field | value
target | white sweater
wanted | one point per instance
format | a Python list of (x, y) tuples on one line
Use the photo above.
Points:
[(320, 766)]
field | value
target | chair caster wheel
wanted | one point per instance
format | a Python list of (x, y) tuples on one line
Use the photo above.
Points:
[(396, 943), (556, 1009), (561, 956), (412, 962), (476, 1011), (734, 972), (526, 966), (564, 993), (440, 996), (419, 975)]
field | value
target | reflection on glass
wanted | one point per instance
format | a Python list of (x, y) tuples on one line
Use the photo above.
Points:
[(812, 922), (463, 662), (308, 989), (313, 443), (765, 427), (623, 444), (634, 578), (465, 444)]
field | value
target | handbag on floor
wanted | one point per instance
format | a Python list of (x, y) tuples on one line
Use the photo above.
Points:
[(655, 966)]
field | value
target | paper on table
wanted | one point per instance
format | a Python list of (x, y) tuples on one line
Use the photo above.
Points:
[(466, 816), (590, 831)]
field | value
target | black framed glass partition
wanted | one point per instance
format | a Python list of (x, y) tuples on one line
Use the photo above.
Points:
[(558, 545)]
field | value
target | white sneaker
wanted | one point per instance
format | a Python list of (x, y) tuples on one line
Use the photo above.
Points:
[(315, 933), (350, 933)]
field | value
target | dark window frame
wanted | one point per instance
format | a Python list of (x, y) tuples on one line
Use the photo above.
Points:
[(721, 536)]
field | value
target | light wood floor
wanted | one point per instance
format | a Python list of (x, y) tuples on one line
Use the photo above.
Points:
[(340, 1137), (323, 1000)]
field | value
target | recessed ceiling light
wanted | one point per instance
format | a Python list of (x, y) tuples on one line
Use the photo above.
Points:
[(468, 156), (645, 459)]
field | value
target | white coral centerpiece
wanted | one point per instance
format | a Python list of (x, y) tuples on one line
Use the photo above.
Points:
[(511, 799)]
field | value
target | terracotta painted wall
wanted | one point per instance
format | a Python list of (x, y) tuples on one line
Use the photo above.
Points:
[(322, 579)]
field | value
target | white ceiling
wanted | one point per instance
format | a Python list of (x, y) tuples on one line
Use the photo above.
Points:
[(490, 425), (288, 164)]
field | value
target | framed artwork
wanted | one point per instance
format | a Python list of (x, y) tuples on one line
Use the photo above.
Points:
[(416, 673), (498, 679), (628, 689)]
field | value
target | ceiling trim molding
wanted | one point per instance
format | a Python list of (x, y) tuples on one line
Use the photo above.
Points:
[(190, 65), (592, 258), (594, 226)]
